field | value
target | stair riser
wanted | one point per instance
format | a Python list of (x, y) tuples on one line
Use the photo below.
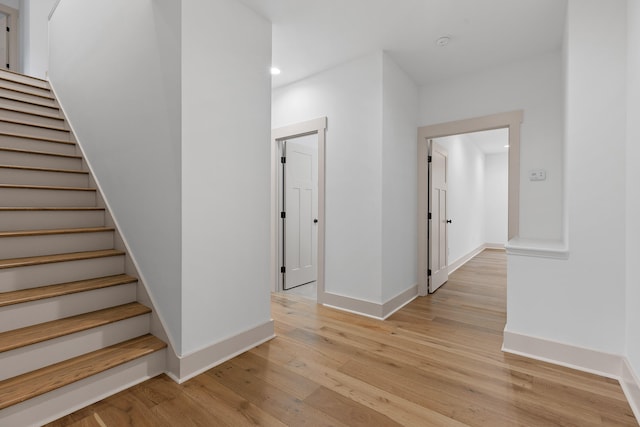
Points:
[(14, 197), (48, 220), (35, 177), (13, 279), (7, 84), (12, 158), (20, 78), (48, 309), (63, 401), (27, 246), (33, 131), (19, 96), (30, 108), (32, 119), (7, 141), (36, 356)]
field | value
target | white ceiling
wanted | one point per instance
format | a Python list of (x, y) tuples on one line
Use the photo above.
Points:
[(310, 36), (489, 141)]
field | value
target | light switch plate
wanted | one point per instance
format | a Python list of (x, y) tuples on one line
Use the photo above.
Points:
[(537, 175)]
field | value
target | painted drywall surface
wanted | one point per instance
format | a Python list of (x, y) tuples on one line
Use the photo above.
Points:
[(127, 118), (399, 180), (465, 195), (35, 43), (633, 179), (496, 197), (535, 86), (350, 96), (581, 301), (12, 3), (226, 96)]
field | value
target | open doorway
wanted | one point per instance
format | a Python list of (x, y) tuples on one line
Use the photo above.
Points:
[(477, 197), (297, 195), (509, 121)]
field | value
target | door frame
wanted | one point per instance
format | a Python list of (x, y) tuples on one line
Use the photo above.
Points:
[(510, 120), (14, 34), (316, 126)]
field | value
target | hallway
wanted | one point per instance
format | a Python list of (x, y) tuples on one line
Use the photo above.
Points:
[(436, 362)]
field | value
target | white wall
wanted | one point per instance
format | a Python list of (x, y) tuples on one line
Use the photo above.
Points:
[(534, 85), (399, 180), (121, 92), (226, 96), (12, 3), (35, 38), (581, 301), (632, 180), (350, 96), (465, 195), (496, 198)]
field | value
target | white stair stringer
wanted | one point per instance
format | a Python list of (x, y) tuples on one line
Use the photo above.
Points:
[(72, 327)]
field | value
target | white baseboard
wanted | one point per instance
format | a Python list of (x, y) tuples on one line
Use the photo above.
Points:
[(631, 386), (583, 359), (368, 308), (195, 363)]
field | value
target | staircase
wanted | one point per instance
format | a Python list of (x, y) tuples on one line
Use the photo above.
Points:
[(71, 330)]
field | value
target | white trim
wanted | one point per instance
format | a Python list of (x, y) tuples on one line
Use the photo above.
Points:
[(556, 249), (630, 384), (464, 259), (574, 357), (310, 127), (494, 246), (196, 362), (369, 308), (511, 120)]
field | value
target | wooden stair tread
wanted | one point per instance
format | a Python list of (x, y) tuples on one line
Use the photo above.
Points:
[(42, 153), (29, 335), (39, 95), (54, 208), (49, 259), (38, 138), (24, 101), (23, 75), (31, 168), (46, 187), (46, 232), (52, 116), (50, 291), (34, 125), (23, 387)]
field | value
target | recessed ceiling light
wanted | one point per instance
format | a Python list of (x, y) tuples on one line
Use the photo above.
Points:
[(443, 41), (275, 71), (506, 146)]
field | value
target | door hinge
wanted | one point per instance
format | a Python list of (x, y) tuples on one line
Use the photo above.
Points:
[(8, 66), (283, 160), (8, 29), (283, 269), (429, 272), (283, 215), (428, 159), (429, 216)]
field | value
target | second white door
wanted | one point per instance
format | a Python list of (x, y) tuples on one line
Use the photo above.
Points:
[(301, 210), (438, 239)]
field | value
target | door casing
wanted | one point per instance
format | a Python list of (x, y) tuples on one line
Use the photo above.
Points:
[(511, 120), (316, 126), (12, 23)]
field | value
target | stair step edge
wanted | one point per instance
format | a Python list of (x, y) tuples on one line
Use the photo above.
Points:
[(54, 208), (32, 168), (45, 187), (35, 125), (46, 232), (50, 259), (62, 289), (37, 138), (52, 116), (34, 334), (39, 95), (41, 153), (26, 386)]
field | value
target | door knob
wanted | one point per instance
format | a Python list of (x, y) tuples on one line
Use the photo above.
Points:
[(448, 221), (315, 220)]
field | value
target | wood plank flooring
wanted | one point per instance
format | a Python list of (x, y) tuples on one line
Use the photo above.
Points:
[(436, 362)]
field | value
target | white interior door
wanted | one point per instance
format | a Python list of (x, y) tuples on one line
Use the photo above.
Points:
[(438, 240), (301, 211), (4, 41)]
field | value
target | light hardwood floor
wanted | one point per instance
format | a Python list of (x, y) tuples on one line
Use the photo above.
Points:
[(436, 362)]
